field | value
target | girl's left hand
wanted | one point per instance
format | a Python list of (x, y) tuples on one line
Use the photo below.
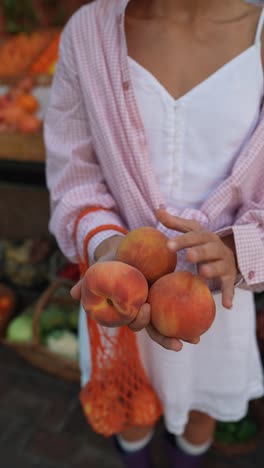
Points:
[(215, 256), (143, 319)]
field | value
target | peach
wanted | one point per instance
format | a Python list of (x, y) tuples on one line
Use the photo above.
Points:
[(145, 408), (28, 103), (12, 114), (113, 292), (182, 306), (146, 249), (106, 415), (29, 124)]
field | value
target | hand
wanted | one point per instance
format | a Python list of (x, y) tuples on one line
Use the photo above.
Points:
[(143, 320), (107, 250), (214, 255)]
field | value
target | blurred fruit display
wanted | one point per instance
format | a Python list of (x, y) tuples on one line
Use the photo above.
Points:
[(27, 15), (45, 63), (19, 107), (26, 263), (18, 52), (7, 305)]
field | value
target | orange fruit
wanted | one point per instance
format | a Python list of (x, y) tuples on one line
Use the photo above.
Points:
[(28, 103), (28, 124), (12, 114), (145, 408)]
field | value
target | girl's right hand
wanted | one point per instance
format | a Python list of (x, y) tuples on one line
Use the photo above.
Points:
[(143, 320), (106, 252)]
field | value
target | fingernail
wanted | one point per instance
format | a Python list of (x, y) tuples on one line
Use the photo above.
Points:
[(228, 304), (172, 245), (162, 207), (177, 347)]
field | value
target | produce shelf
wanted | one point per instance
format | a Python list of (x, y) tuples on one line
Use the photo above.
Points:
[(22, 147)]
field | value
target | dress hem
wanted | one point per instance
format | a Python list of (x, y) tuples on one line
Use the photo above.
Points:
[(179, 429)]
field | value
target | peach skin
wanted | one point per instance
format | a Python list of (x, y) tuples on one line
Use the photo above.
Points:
[(182, 306), (113, 292), (146, 249)]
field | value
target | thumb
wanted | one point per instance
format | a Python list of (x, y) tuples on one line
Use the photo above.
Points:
[(76, 291), (142, 319)]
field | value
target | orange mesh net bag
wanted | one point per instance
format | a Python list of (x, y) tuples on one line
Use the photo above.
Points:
[(118, 394)]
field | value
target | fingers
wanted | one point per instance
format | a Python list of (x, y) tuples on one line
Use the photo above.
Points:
[(110, 256), (218, 269), (175, 222), (192, 239), (171, 344), (205, 252), (142, 319), (215, 270), (214, 260), (194, 341), (76, 291), (228, 291)]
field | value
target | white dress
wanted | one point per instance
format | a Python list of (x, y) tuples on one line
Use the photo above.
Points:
[(194, 141)]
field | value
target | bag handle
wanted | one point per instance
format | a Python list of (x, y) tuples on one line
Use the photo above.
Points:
[(43, 301)]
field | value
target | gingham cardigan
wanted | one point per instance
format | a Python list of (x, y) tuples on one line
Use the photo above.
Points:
[(98, 167)]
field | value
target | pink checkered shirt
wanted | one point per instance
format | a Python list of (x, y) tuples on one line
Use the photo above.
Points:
[(97, 152)]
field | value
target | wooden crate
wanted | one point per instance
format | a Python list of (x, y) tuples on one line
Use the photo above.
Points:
[(22, 147)]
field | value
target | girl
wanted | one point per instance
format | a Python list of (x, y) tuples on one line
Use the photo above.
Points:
[(157, 103)]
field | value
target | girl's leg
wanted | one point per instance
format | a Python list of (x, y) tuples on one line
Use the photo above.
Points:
[(188, 450), (199, 429), (133, 446), (134, 434)]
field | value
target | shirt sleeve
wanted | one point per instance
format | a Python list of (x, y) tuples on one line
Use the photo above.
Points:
[(249, 241), (248, 232), (73, 175)]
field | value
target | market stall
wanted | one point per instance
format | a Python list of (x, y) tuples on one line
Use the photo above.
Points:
[(34, 274), (29, 40), (30, 259)]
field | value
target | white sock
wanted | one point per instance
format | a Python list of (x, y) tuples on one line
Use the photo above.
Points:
[(134, 446), (190, 448)]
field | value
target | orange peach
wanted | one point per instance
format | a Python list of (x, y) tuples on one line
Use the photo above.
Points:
[(145, 408), (182, 306), (12, 114), (29, 123), (113, 292), (105, 415), (28, 103), (146, 249)]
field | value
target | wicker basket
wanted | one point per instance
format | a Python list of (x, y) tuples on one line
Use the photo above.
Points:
[(38, 355)]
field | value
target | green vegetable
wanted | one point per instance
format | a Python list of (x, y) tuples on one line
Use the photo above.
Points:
[(246, 431), (63, 342), (20, 329), (236, 432), (231, 428), (53, 317), (73, 319), (225, 437)]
